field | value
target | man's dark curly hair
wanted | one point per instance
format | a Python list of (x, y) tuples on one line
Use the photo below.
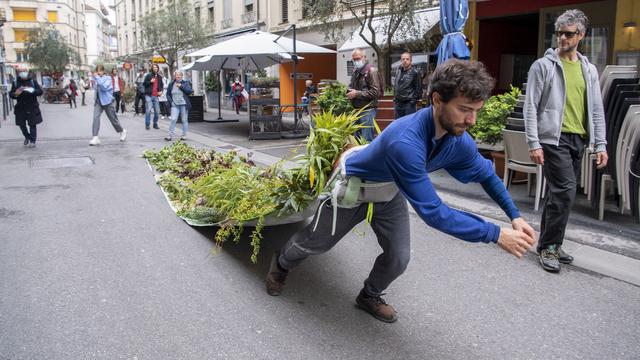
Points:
[(461, 78)]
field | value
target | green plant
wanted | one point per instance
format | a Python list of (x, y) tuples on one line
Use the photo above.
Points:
[(492, 118), (211, 82), (129, 94), (334, 99)]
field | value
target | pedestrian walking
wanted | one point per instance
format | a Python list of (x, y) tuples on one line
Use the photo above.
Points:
[(178, 97), (105, 102), (118, 87), (562, 113), (395, 168), (72, 93), (165, 107), (407, 89), (139, 82), (82, 85), (25, 90), (364, 90), (153, 87), (236, 94)]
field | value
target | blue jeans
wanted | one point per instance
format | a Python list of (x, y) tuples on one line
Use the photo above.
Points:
[(149, 102), (367, 120), (401, 109), (179, 110)]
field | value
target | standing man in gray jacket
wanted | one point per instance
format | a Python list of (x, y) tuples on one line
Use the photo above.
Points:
[(563, 113)]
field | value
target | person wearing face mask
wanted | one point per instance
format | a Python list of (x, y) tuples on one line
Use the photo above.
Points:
[(236, 93), (178, 93), (26, 91), (364, 90), (377, 180)]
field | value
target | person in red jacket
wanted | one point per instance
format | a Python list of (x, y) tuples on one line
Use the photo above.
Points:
[(71, 90), (236, 95)]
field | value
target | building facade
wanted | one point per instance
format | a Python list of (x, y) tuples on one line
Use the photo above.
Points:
[(98, 27), (67, 16)]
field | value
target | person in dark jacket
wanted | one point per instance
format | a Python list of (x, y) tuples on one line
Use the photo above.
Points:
[(118, 89), (72, 92), (26, 91), (178, 93), (153, 87), (408, 87), (364, 90), (395, 168), (139, 92)]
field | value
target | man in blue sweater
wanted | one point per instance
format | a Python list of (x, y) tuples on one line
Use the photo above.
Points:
[(398, 163)]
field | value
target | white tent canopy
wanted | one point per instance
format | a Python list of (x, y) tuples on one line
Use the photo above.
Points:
[(259, 43), (426, 19)]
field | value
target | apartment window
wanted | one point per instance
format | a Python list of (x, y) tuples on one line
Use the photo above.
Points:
[(305, 10), (20, 35), (21, 56), (196, 11), (248, 5), (24, 14), (52, 16), (227, 9), (285, 11), (211, 15)]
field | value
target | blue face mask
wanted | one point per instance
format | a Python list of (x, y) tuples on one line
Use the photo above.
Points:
[(358, 64)]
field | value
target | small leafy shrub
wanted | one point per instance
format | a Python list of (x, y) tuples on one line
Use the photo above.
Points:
[(492, 118), (211, 82), (334, 99)]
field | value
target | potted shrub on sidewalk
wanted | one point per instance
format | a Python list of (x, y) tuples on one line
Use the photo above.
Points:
[(490, 122), (212, 87)]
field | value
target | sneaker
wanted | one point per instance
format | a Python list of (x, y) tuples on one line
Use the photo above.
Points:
[(147, 127), (276, 276), (123, 135), (563, 257), (549, 259), (183, 137), (155, 126), (162, 117), (168, 138), (94, 141), (26, 142), (376, 306), (31, 145)]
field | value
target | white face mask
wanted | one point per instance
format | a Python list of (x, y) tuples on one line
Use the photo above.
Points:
[(23, 75), (358, 64)]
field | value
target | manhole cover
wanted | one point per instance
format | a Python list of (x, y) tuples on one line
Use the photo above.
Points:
[(54, 163)]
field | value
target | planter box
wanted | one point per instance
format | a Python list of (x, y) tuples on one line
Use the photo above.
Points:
[(212, 99)]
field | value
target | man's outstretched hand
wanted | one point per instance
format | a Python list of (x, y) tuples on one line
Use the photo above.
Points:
[(518, 240)]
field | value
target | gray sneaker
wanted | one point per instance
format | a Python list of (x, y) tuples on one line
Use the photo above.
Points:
[(549, 259), (31, 145)]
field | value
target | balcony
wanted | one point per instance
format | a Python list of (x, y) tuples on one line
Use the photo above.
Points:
[(249, 17), (227, 23)]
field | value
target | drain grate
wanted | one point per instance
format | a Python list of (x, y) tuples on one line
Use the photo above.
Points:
[(54, 163)]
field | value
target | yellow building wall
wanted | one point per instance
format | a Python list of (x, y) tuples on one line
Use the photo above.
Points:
[(20, 35), (52, 16), (627, 39)]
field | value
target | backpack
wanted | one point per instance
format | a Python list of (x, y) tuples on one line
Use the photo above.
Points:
[(381, 81)]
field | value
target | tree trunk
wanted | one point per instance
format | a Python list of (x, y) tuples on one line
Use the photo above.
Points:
[(384, 66)]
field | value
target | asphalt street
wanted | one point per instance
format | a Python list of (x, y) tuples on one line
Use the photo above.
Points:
[(95, 265)]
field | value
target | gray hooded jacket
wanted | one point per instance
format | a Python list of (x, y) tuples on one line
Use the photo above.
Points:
[(545, 99)]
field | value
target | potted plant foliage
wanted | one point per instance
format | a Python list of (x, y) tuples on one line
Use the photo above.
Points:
[(334, 98)]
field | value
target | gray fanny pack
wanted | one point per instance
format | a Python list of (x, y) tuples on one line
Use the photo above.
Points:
[(351, 191)]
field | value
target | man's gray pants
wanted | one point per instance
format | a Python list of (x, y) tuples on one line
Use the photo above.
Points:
[(110, 109), (390, 223)]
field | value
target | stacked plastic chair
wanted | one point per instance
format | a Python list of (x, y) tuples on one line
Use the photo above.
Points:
[(620, 87)]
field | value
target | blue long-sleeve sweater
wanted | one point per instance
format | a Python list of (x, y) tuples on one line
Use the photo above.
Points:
[(407, 151)]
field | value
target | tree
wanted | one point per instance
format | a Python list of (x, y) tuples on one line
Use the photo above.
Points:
[(171, 29), (395, 20), (48, 51)]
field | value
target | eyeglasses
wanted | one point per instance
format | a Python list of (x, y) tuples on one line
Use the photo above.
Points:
[(567, 34)]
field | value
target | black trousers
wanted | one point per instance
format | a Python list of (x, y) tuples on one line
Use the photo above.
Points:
[(29, 133), (561, 170), (137, 101), (401, 109), (83, 93), (116, 95)]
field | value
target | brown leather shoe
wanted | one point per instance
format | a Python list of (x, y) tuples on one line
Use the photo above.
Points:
[(376, 306), (275, 277)]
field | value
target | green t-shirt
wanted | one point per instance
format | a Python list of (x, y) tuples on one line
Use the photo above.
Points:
[(575, 101)]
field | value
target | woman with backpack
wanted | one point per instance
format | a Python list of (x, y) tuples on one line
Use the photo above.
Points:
[(26, 91)]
